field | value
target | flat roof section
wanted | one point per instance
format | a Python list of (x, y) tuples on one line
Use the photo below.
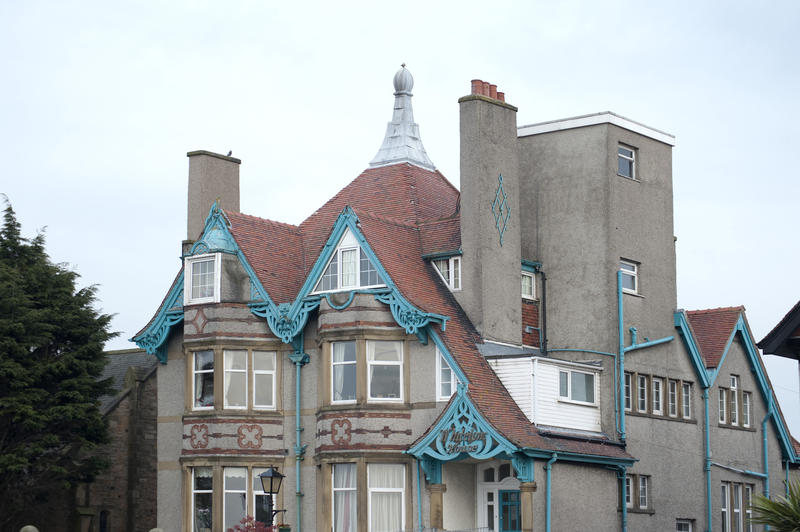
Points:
[(606, 117)]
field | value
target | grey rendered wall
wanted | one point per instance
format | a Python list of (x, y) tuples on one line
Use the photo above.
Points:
[(171, 378), (582, 498), (458, 502)]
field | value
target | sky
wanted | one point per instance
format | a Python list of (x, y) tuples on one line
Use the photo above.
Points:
[(100, 102)]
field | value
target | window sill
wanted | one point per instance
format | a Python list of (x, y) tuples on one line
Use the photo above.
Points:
[(736, 427), (641, 511), (235, 414), (634, 179), (662, 417), (578, 403), (634, 294), (363, 406)]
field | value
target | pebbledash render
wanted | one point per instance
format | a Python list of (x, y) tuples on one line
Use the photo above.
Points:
[(508, 356)]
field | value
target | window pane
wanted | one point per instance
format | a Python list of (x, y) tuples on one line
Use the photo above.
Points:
[(527, 285), (203, 279), (344, 352), (488, 475), (642, 492), (385, 351), (344, 476), (386, 511), (344, 498), (348, 268), (386, 476), (344, 382), (204, 389), (236, 478), (203, 478), (369, 275), (236, 388), (456, 284), (203, 360), (563, 384), (385, 381), (264, 360), (330, 279), (628, 282), (236, 360), (235, 508), (504, 472), (582, 387), (202, 512), (264, 389)]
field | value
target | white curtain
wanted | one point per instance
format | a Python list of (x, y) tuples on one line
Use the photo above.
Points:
[(344, 498), (386, 483)]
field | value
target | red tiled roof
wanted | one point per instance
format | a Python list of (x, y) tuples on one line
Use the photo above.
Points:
[(712, 328), (441, 236)]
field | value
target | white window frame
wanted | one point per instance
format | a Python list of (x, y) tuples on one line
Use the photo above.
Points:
[(188, 278), (225, 492), (688, 525), (736, 507), (686, 400), (733, 414), (632, 272), (398, 363), (723, 405), (672, 398), (454, 272), (641, 394), (196, 492), (723, 507), (748, 508), (628, 392), (347, 243), (631, 158), (532, 277), (747, 406), (657, 387), (443, 366), (402, 491), (354, 363), (272, 372), (195, 372), (226, 370), (568, 398), (629, 491), (334, 490), (644, 492)]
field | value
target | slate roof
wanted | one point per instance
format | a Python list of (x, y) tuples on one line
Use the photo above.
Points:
[(405, 212), (119, 362), (782, 339), (712, 328)]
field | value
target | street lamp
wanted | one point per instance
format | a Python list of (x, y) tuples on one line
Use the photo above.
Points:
[(271, 484)]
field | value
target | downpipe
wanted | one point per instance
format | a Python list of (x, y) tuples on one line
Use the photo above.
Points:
[(622, 473), (299, 359), (548, 467), (707, 464)]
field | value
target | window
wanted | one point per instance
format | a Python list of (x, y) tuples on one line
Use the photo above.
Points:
[(203, 380), (264, 364), (201, 279), (349, 267), (723, 505), (735, 506), (686, 402), (626, 161), (235, 499), (628, 396), (202, 495), (673, 398), (576, 386), (445, 378), (734, 398), (748, 507), (657, 385), (642, 394), (528, 286), (343, 372), (386, 497), (747, 401), (344, 495), (736, 514), (683, 525), (630, 276), (235, 379), (385, 370), (450, 271), (723, 402), (637, 492), (260, 498)]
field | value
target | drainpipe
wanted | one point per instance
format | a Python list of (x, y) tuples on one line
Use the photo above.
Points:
[(622, 473), (299, 358), (543, 332), (419, 497), (707, 464), (786, 482), (621, 358), (764, 444), (548, 467)]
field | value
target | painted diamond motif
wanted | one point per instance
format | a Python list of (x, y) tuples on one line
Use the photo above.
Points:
[(500, 208)]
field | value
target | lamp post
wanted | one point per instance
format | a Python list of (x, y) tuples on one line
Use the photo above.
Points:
[(271, 484)]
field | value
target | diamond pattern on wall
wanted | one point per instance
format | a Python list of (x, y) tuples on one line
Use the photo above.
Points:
[(500, 208)]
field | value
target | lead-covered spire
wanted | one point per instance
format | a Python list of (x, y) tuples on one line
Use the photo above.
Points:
[(402, 143)]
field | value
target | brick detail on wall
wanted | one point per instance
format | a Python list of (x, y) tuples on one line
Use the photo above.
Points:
[(530, 318)]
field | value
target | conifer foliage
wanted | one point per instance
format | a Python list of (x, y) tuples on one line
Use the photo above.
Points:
[(51, 356)]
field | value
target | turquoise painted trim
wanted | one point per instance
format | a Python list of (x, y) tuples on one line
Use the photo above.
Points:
[(462, 417), (765, 448), (740, 471), (592, 351), (649, 343), (707, 464), (419, 498), (530, 266), (299, 359), (622, 474), (443, 254), (621, 358), (581, 458), (437, 340), (153, 339), (547, 514), (713, 373), (216, 237), (684, 331), (433, 470), (524, 466)]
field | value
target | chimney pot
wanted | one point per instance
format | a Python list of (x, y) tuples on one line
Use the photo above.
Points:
[(493, 91), (501, 96), (477, 86), (485, 90)]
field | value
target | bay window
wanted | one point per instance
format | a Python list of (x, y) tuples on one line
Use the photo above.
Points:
[(235, 496), (203, 380), (235, 379), (366, 371), (386, 496), (343, 372), (202, 499), (345, 518), (385, 370), (242, 370)]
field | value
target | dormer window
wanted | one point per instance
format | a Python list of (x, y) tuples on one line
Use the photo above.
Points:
[(348, 268), (450, 271), (201, 279)]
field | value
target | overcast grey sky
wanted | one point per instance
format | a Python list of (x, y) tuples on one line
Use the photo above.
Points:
[(101, 100)]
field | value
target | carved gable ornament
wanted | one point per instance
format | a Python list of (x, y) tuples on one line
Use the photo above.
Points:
[(462, 432)]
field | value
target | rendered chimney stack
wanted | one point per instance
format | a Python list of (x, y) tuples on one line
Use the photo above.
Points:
[(211, 176), (484, 88)]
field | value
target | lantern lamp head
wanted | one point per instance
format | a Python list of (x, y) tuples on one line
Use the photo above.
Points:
[(271, 480)]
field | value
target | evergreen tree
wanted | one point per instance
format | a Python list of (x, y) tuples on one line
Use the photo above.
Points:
[(51, 356)]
